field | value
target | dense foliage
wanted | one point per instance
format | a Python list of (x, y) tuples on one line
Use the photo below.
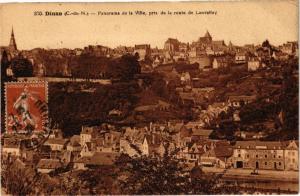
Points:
[(22, 67), (71, 108)]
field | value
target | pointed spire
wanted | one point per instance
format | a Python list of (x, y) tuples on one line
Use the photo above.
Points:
[(12, 43), (207, 34), (12, 31)]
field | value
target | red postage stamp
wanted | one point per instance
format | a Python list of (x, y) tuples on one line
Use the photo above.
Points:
[(26, 106)]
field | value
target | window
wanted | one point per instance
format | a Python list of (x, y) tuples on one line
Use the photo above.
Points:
[(279, 163), (293, 160), (257, 156), (247, 156), (266, 163), (266, 156), (239, 155), (274, 156)]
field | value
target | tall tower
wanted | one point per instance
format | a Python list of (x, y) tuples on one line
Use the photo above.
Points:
[(12, 43)]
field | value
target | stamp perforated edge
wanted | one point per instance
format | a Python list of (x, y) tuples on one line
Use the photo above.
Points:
[(24, 82)]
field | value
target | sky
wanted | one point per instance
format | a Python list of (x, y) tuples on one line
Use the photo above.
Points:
[(242, 22)]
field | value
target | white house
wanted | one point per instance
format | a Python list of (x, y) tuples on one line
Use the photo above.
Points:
[(241, 57), (88, 149), (253, 64), (74, 144), (219, 62), (291, 156), (11, 147), (133, 147), (56, 144), (86, 135)]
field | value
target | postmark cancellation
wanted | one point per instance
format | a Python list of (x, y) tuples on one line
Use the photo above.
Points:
[(26, 108)]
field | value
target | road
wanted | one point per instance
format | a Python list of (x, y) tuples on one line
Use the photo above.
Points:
[(262, 174)]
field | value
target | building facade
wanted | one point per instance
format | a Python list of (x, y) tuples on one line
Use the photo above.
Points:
[(265, 155)]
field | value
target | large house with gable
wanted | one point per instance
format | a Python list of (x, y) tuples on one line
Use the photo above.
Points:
[(269, 155)]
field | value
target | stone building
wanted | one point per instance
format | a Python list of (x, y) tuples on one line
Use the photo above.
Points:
[(267, 155)]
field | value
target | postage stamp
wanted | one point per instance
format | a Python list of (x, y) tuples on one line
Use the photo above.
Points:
[(26, 107)]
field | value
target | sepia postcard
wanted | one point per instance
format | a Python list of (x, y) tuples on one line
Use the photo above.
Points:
[(150, 98)]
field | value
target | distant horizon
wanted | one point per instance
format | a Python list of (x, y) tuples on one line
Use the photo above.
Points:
[(241, 22), (152, 47)]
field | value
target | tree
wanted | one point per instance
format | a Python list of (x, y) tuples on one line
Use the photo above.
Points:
[(124, 68), (166, 175), (158, 85), (18, 179), (289, 98), (4, 65), (22, 67), (145, 175), (100, 180)]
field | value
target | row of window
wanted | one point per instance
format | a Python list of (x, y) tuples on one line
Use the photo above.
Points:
[(257, 156), (291, 153), (266, 163), (279, 163)]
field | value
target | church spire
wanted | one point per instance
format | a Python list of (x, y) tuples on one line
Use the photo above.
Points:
[(207, 34), (12, 32), (12, 43)]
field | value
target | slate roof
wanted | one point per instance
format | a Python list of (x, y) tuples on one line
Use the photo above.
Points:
[(218, 43), (220, 152), (201, 132), (49, 164), (99, 158), (75, 140), (270, 145), (207, 34), (58, 141)]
